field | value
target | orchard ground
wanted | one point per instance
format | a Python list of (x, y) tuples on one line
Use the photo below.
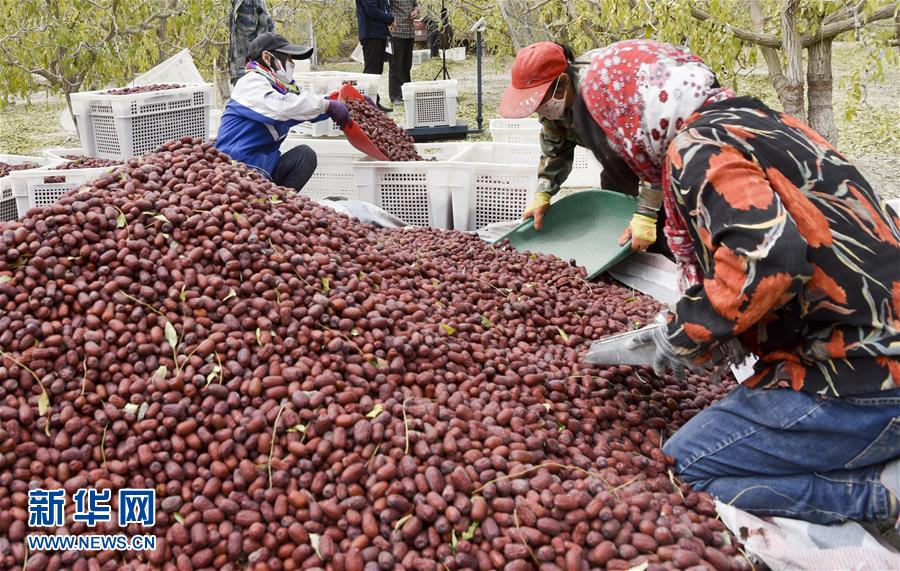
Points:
[(871, 138)]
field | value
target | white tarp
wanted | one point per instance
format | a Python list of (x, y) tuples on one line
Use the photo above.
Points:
[(793, 545)]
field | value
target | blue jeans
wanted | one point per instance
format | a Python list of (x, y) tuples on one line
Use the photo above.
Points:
[(787, 453)]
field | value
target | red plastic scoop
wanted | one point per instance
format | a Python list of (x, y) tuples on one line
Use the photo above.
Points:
[(354, 133)]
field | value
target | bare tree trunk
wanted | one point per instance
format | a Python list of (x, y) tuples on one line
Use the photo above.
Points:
[(896, 40), (819, 85), (791, 94), (771, 55), (509, 24)]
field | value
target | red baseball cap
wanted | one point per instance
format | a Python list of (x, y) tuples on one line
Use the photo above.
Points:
[(534, 71)]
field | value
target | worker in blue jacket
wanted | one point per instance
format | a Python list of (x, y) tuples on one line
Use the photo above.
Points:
[(265, 103)]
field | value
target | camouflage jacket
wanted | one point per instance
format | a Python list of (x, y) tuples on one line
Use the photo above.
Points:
[(249, 18)]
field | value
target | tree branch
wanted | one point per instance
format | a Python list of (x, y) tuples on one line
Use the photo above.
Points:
[(746, 35), (855, 21), (843, 12), (831, 29)]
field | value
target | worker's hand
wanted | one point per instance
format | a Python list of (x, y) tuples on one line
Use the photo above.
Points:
[(414, 14), (369, 99), (664, 357), (537, 209), (641, 231), (393, 28), (339, 113)]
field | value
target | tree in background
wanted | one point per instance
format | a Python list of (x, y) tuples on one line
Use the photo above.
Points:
[(74, 45), (728, 34), (783, 29)]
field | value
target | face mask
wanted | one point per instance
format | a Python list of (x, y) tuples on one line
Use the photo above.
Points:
[(285, 74), (553, 108)]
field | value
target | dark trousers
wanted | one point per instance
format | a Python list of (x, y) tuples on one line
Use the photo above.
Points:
[(401, 63), (295, 167), (373, 55)]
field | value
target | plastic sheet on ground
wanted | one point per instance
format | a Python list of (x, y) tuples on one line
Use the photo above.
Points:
[(493, 232), (793, 545), (365, 212), (651, 274)]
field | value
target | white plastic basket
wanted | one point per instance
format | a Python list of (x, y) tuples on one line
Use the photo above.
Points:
[(492, 182), (420, 56), (585, 168), (333, 175), (417, 192), (60, 153), (325, 82), (525, 131), (125, 126), (31, 188), (8, 210), (215, 119), (430, 103), (179, 68), (455, 54), (323, 128)]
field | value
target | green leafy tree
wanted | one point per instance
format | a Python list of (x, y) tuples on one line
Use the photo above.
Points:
[(68, 46)]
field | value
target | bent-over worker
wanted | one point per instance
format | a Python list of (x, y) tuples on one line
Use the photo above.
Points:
[(545, 81), (265, 104), (787, 252)]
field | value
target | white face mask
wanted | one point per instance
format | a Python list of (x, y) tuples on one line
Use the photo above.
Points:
[(554, 108), (284, 73)]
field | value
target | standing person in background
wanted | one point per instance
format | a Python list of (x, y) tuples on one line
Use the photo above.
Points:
[(403, 33), (373, 20), (249, 18)]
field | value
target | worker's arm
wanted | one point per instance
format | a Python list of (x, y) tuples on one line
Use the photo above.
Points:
[(374, 11), (261, 102), (557, 156), (754, 257)]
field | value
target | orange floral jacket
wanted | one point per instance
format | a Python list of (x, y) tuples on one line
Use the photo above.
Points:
[(800, 257)]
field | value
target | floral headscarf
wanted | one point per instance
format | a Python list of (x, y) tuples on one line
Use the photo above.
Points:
[(641, 92)]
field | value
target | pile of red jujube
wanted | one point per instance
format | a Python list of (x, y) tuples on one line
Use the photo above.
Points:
[(385, 134), (85, 162), (142, 89), (305, 391), (6, 168)]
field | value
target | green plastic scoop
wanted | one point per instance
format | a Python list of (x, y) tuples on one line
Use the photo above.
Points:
[(584, 226)]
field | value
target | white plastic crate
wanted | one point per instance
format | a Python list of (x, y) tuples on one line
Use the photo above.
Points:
[(60, 153), (585, 168), (417, 192), (455, 54), (325, 82), (215, 119), (179, 68), (492, 182), (430, 103), (125, 126), (420, 56), (31, 188), (8, 210), (323, 128), (526, 130), (333, 175)]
